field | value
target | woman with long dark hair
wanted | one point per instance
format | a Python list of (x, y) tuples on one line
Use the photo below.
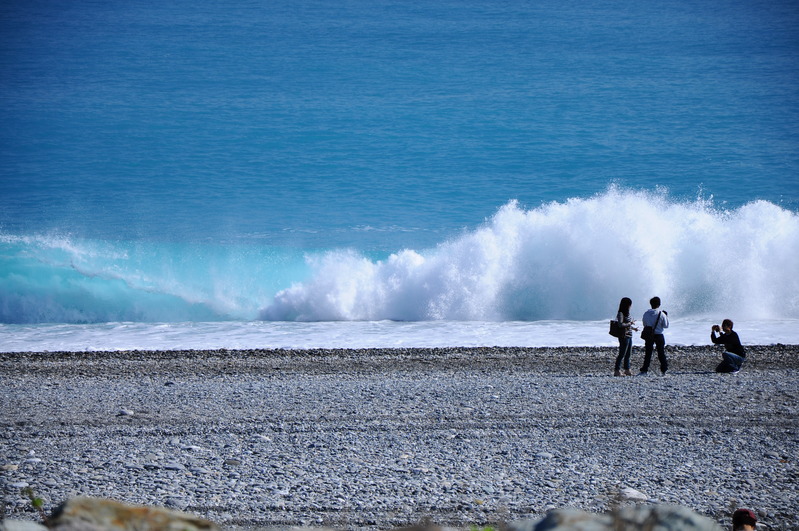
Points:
[(625, 341)]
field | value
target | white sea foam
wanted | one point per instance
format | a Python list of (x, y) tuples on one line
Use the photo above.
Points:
[(364, 334), (571, 260)]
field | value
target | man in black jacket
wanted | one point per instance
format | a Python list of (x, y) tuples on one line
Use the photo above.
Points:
[(734, 354)]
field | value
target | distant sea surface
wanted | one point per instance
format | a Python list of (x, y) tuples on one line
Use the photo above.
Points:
[(380, 173)]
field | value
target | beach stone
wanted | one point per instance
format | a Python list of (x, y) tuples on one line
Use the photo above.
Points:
[(177, 503), (630, 493), (193, 448), (631, 518), (98, 514), (567, 520), (20, 525), (663, 518)]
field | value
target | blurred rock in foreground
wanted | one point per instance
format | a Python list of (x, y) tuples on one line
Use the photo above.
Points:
[(631, 518), (97, 514)]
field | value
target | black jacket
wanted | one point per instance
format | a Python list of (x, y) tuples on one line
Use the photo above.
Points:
[(730, 341)]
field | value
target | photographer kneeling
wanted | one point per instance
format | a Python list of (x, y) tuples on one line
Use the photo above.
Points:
[(734, 354)]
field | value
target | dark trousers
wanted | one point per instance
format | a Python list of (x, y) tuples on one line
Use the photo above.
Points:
[(625, 349), (660, 343), (730, 362)]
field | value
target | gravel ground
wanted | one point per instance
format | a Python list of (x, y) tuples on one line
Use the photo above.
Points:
[(384, 438)]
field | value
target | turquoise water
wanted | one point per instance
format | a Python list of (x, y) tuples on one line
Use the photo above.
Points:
[(368, 161)]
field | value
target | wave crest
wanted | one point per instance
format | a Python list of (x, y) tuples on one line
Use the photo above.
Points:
[(570, 260)]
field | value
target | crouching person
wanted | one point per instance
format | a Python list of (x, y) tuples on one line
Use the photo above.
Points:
[(734, 354)]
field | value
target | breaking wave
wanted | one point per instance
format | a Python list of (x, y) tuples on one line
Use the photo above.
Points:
[(569, 260)]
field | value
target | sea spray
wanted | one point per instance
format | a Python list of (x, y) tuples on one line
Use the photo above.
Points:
[(570, 260)]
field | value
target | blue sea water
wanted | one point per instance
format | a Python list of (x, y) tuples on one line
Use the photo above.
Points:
[(303, 174)]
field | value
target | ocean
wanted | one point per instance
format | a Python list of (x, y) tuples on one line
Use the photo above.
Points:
[(308, 174)]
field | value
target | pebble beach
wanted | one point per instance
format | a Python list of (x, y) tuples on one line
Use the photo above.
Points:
[(383, 438)]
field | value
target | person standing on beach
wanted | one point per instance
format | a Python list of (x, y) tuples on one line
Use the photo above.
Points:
[(626, 340), (658, 319), (734, 354)]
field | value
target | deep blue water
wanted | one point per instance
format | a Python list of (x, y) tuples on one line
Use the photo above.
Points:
[(357, 160)]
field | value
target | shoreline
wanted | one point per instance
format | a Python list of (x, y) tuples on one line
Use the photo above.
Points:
[(763, 355), (379, 438)]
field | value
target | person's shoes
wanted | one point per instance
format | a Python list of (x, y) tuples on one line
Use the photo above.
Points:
[(627, 372), (663, 373), (643, 373), (617, 372)]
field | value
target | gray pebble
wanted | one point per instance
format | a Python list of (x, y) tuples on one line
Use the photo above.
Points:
[(383, 438)]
